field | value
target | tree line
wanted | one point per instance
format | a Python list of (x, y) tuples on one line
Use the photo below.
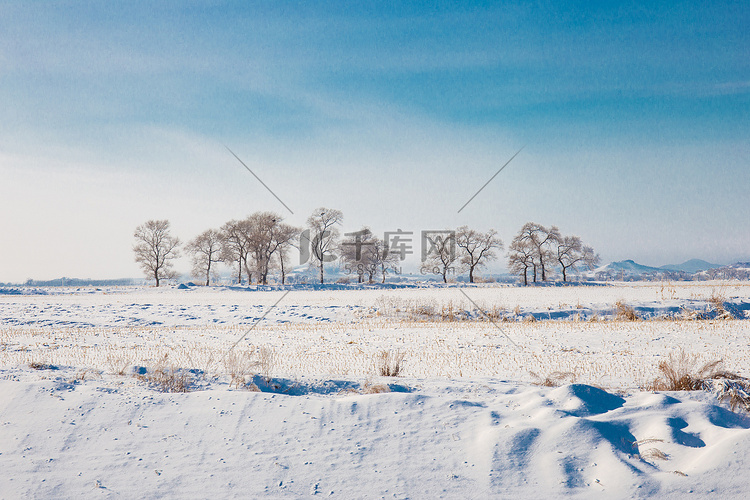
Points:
[(259, 245)]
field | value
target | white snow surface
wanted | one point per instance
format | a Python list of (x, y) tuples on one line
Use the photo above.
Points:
[(80, 417)]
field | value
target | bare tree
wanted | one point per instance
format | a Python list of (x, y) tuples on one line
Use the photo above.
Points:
[(322, 224), (521, 257), (360, 254), (442, 257), (477, 248), (155, 248), (286, 237), (542, 239), (235, 245), (262, 241), (385, 259), (206, 249), (571, 252)]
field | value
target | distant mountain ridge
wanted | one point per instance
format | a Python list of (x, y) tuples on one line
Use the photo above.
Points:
[(631, 268), (692, 266)]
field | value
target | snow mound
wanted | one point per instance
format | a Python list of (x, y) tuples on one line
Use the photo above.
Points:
[(450, 439)]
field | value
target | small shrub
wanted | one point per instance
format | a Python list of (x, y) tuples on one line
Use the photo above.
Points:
[(624, 312), (736, 392), (688, 314), (717, 300), (390, 364)]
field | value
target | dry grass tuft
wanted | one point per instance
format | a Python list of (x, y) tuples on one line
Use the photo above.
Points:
[(118, 361), (389, 364), (166, 378), (679, 373), (624, 312), (554, 379), (654, 454), (239, 365), (80, 376), (266, 361)]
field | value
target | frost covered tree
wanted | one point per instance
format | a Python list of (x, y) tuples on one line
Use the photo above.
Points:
[(383, 259), (235, 246), (571, 253), (262, 241), (542, 240), (205, 249), (442, 256), (323, 236), (268, 239), (521, 258), (286, 237), (155, 249), (360, 254), (477, 248)]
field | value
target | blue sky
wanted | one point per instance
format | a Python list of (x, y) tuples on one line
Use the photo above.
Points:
[(635, 121)]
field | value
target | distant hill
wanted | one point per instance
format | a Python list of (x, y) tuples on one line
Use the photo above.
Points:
[(628, 267), (692, 269), (691, 266)]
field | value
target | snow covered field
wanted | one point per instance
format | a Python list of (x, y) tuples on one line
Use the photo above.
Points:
[(289, 403)]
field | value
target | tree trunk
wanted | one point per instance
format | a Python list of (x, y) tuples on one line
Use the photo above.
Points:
[(471, 274), (249, 274), (239, 271), (283, 277), (564, 277), (321, 270), (525, 276)]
